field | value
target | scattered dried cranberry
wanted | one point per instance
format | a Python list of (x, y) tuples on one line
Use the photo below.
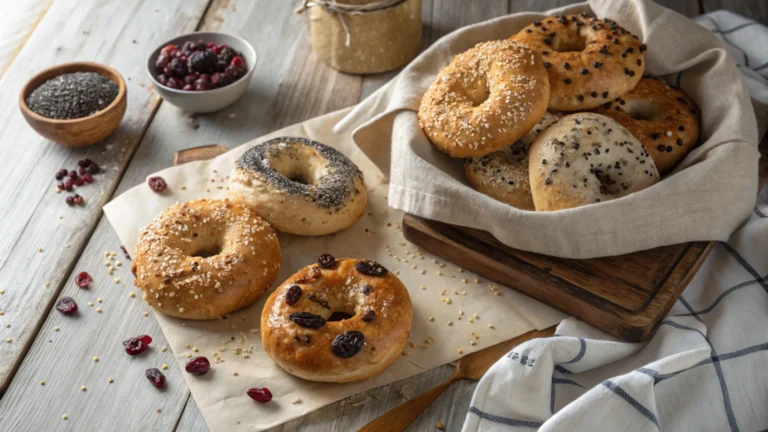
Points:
[(69, 184), (348, 343), (125, 252), (326, 261), (198, 366), (76, 199), (83, 163), (157, 184), (79, 181), (66, 305), (137, 345), (306, 319), (155, 377), (61, 174), (70, 200), (369, 315), (87, 178), (73, 175), (93, 168), (261, 395), (293, 295), (371, 268), (83, 279)]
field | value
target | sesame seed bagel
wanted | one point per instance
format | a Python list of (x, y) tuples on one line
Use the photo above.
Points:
[(589, 60), (664, 119), (586, 158), (503, 175), (205, 258), (299, 186), (486, 98), (337, 321)]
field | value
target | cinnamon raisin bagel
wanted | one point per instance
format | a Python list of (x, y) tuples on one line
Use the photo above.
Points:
[(205, 258), (503, 175), (486, 98), (663, 118), (586, 158), (339, 320), (300, 186), (589, 60)]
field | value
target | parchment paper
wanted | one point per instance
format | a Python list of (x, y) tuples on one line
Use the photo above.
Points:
[(221, 396)]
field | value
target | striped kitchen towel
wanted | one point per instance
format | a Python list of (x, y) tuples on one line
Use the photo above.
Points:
[(706, 369)]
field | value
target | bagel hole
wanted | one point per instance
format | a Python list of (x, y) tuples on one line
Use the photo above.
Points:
[(576, 43), (299, 178), (339, 316), (643, 110), (207, 252)]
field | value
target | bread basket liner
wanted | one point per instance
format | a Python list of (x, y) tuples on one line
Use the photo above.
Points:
[(706, 197)]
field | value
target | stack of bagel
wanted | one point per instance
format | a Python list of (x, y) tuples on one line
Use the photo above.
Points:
[(559, 115)]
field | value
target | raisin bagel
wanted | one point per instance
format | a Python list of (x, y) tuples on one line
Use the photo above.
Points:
[(664, 119), (586, 158), (589, 60), (205, 258), (337, 321), (485, 99)]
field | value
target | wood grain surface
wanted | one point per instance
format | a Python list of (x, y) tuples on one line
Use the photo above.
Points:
[(290, 85)]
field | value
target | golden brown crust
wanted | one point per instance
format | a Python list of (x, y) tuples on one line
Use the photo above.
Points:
[(307, 353), (663, 118), (485, 99), (503, 175), (587, 158), (179, 281), (589, 60)]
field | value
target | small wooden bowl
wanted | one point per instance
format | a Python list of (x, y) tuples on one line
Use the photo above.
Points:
[(78, 132)]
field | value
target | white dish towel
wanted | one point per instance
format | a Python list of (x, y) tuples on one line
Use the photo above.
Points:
[(706, 369)]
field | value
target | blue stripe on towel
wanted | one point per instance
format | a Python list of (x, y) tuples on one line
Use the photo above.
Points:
[(504, 420), (632, 401)]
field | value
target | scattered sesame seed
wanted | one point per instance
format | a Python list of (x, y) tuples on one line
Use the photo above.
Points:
[(110, 380), (146, 314), (296, 401), (82, 388), (163, 349), (9, 340), (42, 382), (98, 310), (117, 280), (164, 366), (431, 318), (98, 299), (90, 303), (440, 424), (64, 416), (131, 294), (95, 359)]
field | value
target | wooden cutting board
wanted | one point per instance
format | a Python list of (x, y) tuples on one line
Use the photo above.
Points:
[(625, 296)]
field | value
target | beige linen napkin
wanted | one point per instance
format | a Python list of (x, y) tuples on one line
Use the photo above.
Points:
[(377, 235), (706, 197)]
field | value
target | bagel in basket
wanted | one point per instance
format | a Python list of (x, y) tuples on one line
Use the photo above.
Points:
[(589, 61), (485, 99), (586, 158)]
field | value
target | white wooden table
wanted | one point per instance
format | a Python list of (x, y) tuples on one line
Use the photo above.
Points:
[(44, 243)]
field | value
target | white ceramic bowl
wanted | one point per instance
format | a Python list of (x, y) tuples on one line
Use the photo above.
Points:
[(208, 100)]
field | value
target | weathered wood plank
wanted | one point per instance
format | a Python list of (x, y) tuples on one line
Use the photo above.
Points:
[(287, 88), (114, 34), (19, 20)]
